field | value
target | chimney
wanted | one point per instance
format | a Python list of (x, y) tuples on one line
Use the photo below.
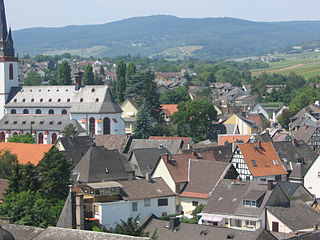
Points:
[(316, 227), (148, 177), (78, 80), (79, 212), (270, 185), (174, 223), (295, 142), (194, 154), (259, 144), (166, 157)]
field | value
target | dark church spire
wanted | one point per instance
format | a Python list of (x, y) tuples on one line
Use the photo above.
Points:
[(3, 22), (6, 42)]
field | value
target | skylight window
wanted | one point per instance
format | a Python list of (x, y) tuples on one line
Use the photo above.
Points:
[(275, 162), (254, 163), (107, 171)]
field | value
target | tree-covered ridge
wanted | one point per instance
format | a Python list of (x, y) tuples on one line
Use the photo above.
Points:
[(214, 37)]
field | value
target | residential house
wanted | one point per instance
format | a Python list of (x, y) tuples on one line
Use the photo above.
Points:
[(113, 142), (238, 124), (168, 110), (202, 178), (310, 135), (27, 153), (74, 147), (174, 146), (129, 113), (258, 161), (312, 178), (296, 157), (260, 121), (139, 198), (293, 218), (233, 138), (296, 191), (311, 111), (100, 164), (241, 205), (258, 109), (143, 161), (280, 136), (174, 230)]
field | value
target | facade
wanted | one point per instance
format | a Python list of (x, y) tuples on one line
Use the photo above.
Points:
[(258, 162), (129, 113), (240, 125), (91, 109), (312, 178)]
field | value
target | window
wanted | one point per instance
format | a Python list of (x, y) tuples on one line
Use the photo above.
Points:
[(164, 214), (40, 138), (249, 203), (13, 111), (59, 100), (147, 202), (51, 111), (64, 112), (38, 111), (81, 99), (10, 72), (254, 163), (106, 126), (134, 206), (97, 99), (50, 100), (2, 137), (41, 100), (163, 202), (68, 100), (275, 162), (92, 126), (318, 174), (275, 227), (32, 100), (195, 203), (53, 138), (247, 178), (25, 111)]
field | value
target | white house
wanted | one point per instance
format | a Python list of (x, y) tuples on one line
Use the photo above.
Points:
[(312, 178), (139, 198)]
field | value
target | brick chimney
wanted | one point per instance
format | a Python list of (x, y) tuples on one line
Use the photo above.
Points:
[(194, 154), (270, 185), (166, 157)]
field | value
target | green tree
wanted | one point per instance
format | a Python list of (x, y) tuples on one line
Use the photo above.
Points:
[(143, 128), (30, 208), (101, 71), (7, 161), (54, 171), (131, 70), (98, 80), (23, 138), (51, 65), (70, 130), (304, 97), (88, 76), (230, 74), (284, 118), (63, 74), (121, 81), (131, 227), (194, 119), (175, 96), (134, 85), (33, 79), (150, 94)]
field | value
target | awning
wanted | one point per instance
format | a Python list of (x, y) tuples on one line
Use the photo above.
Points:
[(211, 218)]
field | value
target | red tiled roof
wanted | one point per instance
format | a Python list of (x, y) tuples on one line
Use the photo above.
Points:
[(184, 139), (26, 152), (264, 157), (194, 195), (179, 169), (170, 109), (222, 139)]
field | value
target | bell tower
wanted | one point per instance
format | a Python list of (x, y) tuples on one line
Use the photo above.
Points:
[(9, 76)]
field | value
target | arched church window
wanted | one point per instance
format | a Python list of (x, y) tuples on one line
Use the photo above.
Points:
[(53, 138), (40, 138), (2, 137), (13, 111), (92, 125), (51, 111), (25, 111), (106, 126), (38, 111), (11, 72), (64, 112)]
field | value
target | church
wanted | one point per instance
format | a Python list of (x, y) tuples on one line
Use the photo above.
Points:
[(44, 111)]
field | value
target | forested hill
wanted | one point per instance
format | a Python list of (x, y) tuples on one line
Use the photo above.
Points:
[(169, 36)]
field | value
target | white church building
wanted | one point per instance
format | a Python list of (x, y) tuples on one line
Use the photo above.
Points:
[(44, 111)]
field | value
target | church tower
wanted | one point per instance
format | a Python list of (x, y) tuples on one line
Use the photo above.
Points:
[(9, 76)]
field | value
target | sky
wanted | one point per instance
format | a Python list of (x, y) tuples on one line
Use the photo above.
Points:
[(53, 13)]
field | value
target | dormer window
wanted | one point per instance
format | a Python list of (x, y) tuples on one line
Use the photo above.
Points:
[(254, 163), (68, 100), (41, 100), (97, 99), (249, 203), (81, 99), (275, 162), (59, 100), (24, 100), (32, 100), (50, 100), (15, 100)]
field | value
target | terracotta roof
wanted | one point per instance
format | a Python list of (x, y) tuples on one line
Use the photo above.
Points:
[(178, 168), (170, 109), (263, 157), (222, 139), (184, 139), (26, 152)]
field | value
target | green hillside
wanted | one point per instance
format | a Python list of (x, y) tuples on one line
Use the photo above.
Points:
[(169, 36)]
